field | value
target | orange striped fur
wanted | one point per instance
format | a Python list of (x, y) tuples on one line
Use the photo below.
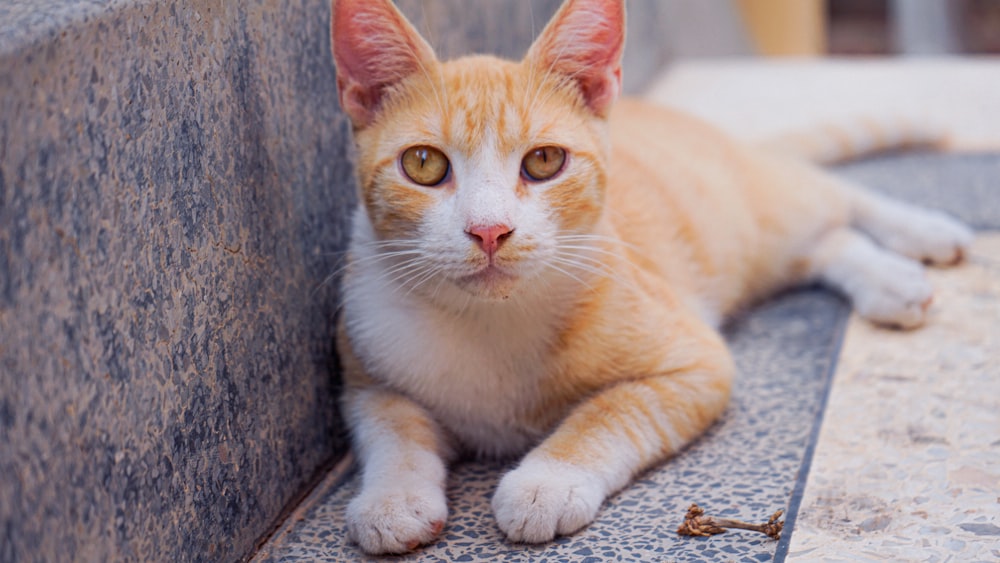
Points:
[(570, 319)]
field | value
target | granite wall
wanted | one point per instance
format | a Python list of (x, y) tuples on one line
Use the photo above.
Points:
[(173, 184), (175, 179)]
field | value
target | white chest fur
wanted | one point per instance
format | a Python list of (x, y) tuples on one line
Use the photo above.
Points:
[(476, 370)]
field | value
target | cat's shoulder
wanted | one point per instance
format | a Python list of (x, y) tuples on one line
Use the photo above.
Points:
[(629, 110), (638, 119)]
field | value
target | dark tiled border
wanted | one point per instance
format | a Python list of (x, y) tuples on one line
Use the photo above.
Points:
[(785, 350), (795, 501)]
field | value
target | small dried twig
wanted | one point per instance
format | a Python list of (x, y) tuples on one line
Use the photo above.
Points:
[(697, 524)]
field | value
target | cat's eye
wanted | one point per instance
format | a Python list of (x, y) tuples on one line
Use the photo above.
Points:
[(542, 163), (424, 165)]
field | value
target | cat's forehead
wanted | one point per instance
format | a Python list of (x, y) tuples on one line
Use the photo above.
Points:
[(487, 101)]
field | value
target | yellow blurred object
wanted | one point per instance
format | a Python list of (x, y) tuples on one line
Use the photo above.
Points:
[(786, 27)]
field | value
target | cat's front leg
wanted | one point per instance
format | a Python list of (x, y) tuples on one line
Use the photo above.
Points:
[(401, 504), (559, 486), (545, 497), (403, 455)]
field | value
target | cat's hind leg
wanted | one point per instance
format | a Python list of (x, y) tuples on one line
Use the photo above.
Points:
[(920, 234), (884, 287)]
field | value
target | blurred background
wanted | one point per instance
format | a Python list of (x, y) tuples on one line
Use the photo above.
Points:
[(881, 27), (831, 27), (761, 67)]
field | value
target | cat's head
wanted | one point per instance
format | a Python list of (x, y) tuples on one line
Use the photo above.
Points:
[(485, 174)]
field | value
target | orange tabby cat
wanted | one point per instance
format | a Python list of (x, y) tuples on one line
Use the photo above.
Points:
[(536, 268)]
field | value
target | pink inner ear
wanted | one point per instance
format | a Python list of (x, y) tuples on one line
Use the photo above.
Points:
[(602, 91), (584, 41), (374, 47)]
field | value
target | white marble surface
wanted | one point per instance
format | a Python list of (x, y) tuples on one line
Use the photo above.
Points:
[(907, 467), (758, 98)]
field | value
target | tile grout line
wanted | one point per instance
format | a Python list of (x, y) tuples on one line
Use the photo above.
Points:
[(798, 492), (335, 477)]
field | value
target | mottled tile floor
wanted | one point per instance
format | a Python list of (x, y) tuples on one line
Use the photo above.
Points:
[(907, 466), (746, 467)]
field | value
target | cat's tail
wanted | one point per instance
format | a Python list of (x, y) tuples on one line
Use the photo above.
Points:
[(856, 138)]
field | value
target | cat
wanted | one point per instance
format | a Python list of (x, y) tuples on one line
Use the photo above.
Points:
[(539, 269)]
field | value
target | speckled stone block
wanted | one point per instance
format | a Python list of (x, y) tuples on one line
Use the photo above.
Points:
[(174, 180)]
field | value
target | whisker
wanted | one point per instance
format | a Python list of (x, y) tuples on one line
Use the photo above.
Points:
[(531, 70), (437, 288), (570, 275), (545, 77), (432, 271), (385, 256), (409, 270), (414, 267), (404, 275), (596, 267), (364, 260), (402, 243), (427, 75), (595, 249), (597, 238), (321, 285)]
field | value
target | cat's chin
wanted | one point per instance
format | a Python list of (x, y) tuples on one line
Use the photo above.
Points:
[(490, 284)]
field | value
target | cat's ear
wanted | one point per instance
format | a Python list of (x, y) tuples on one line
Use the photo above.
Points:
[(374, 47), (584, 42)]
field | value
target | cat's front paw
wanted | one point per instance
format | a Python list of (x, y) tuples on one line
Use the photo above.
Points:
[(397, 519), (542, 499)]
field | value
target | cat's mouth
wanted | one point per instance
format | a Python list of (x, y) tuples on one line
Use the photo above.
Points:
[(491, 282)]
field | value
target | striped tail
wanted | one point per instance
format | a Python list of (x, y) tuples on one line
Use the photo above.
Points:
[(832, 143)]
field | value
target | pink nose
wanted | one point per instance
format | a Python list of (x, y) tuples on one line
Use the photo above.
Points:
[(489, 237)]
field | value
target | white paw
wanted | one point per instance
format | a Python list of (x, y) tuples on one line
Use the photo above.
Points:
[(895, 292), (929, 236), (398, 518), (541, 499)]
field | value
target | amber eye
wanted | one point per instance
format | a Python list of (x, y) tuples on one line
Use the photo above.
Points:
[(426, 166), (543, 163)]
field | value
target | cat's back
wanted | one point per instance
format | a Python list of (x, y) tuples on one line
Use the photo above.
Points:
[(639, 125), (673, 150), (702, 208), (677, 193)]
